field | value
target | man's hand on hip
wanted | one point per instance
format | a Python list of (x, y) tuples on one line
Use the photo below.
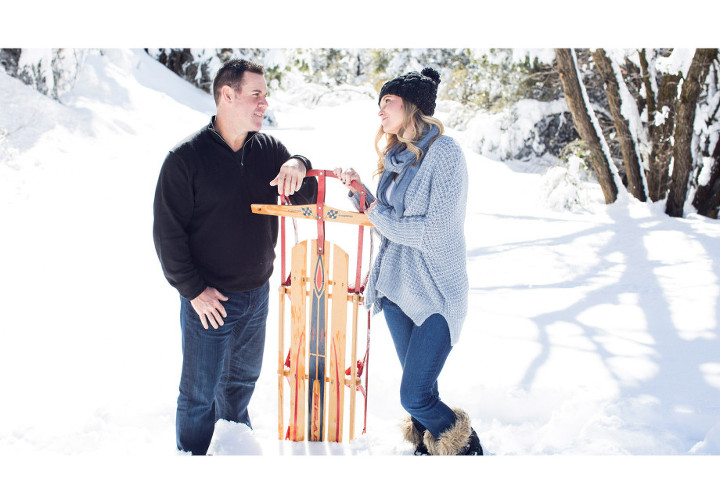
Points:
[(209, 308)]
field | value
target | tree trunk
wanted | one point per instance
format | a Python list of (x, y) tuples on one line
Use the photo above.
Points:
[(661, 124), (649, 92), (625, 137), (662, 147), (682, 154), (581, 112), (707, 197)]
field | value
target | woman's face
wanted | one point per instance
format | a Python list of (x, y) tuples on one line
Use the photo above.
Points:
[(391, 113)]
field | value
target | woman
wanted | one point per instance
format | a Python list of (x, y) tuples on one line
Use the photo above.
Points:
[(419, 279)]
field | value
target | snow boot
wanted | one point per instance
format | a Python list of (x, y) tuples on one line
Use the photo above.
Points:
[(459, 439), (413, 433)]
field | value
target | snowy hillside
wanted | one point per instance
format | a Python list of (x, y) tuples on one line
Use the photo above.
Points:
[(591, 332)]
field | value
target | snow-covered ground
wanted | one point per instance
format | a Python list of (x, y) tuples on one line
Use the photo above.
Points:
[(590, 332)]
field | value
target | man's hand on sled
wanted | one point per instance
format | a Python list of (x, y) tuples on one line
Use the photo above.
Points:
[(290, 178)]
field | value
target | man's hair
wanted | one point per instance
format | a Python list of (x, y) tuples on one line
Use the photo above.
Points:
[(231, 74)]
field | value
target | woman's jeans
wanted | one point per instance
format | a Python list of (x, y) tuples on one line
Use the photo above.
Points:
[(422, 351), (220, 367)]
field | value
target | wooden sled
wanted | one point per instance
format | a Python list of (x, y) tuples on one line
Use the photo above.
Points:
[(316, 366)]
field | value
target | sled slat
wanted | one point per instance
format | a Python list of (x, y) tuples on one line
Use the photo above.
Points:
[(297, 342), (338, 328)]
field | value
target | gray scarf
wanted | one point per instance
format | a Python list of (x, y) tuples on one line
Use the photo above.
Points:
[(399, 160)]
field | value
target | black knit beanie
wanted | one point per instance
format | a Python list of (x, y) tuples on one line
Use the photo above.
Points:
[(418, 88)]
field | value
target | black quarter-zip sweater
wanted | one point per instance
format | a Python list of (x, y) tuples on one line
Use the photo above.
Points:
[(204, 231)]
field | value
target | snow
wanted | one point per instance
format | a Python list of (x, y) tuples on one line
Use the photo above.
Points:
[(678, 62), (592, 329)]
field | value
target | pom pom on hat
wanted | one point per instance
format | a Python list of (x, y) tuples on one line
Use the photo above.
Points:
[(432, 74), (418, 88)]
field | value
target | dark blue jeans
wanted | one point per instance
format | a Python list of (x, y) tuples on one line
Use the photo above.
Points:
[(220, 367), (422, 351)]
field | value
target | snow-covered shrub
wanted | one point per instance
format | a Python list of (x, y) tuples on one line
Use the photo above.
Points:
[(492, 79), (454, 114), (525, 130), (313, 95), (199, 66), (52, 72), (570, 186)]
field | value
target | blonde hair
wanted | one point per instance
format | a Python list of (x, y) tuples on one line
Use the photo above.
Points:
[(411, 117)]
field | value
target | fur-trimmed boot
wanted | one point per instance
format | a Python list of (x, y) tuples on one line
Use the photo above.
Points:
[(413, 433), (459, 439)]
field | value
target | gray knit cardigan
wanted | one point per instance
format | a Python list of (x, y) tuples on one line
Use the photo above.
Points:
[(421, 263)]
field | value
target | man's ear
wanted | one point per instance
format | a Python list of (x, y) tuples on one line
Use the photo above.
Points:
[(228, 93)]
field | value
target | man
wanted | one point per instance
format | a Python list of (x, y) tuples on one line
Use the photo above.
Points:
[(218, 254)]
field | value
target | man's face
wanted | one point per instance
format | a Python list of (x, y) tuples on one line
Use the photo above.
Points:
[(249, 105)]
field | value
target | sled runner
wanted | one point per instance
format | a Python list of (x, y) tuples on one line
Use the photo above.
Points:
[(315, 366)]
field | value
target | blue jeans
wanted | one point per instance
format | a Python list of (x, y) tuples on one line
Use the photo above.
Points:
[(422, 351), (220, 367)]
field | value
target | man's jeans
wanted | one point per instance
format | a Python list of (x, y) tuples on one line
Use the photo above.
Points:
[(220, 367), (422, 351)]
